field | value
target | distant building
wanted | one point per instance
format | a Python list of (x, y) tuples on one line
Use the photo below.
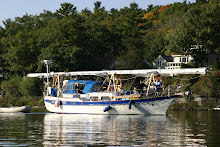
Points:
[(174, 61), (171, 62)]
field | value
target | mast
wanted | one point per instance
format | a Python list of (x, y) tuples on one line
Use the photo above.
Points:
[(47, 63)]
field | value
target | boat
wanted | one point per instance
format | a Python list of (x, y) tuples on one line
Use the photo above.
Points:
[(24, 109), (95, 97), (106, 96)]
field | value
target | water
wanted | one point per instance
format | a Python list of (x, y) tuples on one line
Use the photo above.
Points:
[(179, 128)]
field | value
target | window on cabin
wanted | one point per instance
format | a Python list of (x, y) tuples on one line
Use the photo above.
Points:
[(105, 98), (96, 87), (94, 98), (81, 86)]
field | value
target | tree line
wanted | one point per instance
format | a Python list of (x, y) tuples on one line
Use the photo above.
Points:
[(129, 38), (86, 40)]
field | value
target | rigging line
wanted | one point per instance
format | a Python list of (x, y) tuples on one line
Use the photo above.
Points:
[(83, 77), (134, 77), (132, 83), (103, 83), (187, 79)]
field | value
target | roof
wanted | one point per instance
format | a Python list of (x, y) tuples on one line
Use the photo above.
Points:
[(168, 58)]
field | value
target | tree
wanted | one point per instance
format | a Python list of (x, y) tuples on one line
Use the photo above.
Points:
[(154, 45), (60, 42), (66, 10), (197, 32), (20, 45), (133, 58)]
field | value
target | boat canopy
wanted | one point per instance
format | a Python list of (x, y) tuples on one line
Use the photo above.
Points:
[(84, 86)]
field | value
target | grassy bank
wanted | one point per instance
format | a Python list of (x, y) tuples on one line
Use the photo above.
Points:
[(203, 104)]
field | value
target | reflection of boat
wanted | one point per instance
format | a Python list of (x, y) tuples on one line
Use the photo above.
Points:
[(85, 96), (84, 130), (25, 109)]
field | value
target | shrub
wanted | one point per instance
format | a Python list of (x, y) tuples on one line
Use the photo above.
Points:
[(208, 85), (11, 91), (216, 65), (31, 87), (19, 91)]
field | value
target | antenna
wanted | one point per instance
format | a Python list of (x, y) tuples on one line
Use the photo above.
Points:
[(47, 63)]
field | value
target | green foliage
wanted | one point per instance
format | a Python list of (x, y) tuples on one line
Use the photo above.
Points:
[(78, 40), (134, 56), (198, 28), (172, 15), (31, 87), (208, 85), (216, 65), (154, 44), (10, 89), (16, 88), (66, 10)]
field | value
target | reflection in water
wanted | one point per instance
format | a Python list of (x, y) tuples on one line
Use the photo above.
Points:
[(20, 129), (125, 130), (180, 128)]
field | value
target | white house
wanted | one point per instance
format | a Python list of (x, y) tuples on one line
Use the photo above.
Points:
[(171, 62)]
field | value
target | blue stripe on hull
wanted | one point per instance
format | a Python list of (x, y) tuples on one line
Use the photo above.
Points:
[(109, 102)]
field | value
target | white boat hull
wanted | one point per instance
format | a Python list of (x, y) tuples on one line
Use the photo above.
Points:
[(155, 106), (25, 109)]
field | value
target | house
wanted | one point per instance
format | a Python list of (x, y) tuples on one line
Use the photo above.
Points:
[(171, 62)]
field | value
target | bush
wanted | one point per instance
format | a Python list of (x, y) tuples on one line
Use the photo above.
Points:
[(208, 85), (10, 90), (30, 101), (31, 87), (19, 91), (216, 65)]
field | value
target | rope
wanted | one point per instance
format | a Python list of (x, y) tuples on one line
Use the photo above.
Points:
[(186, 79)]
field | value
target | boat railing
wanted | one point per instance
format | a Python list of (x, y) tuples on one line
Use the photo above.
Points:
[(131, 94), (174, 90), (162, 92)]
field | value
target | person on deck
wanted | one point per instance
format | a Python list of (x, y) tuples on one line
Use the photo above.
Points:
[(140, 88), (157, 87)]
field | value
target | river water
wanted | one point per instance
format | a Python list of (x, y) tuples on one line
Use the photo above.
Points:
[(178, 128)]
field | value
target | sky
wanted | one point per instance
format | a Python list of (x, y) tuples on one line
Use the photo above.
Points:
[(18, 8)]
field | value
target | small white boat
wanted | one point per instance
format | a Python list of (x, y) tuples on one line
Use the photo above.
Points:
[(216, 109), (24, 109)]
